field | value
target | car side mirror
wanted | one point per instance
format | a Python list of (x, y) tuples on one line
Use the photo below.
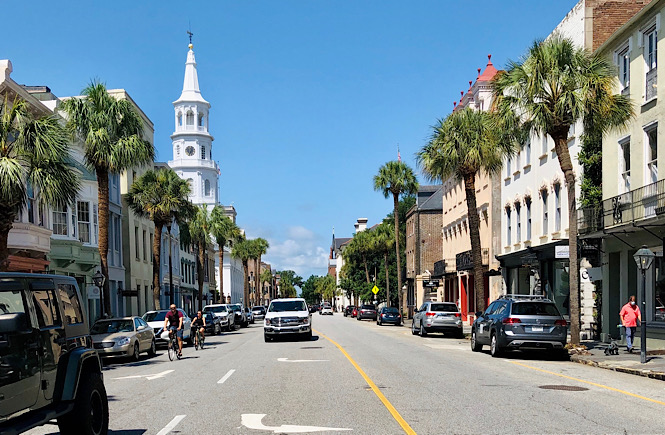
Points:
[(479, 313), (13, 322)]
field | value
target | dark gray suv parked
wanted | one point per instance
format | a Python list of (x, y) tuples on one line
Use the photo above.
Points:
[(519, 322), (48, 368)]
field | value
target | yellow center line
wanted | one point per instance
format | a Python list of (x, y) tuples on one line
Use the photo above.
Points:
[(372, 385), (590, 383)]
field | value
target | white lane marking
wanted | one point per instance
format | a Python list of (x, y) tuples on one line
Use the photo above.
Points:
[(445, 346), (169, 427), (148, 377), (226, 376), (300, 360), (253, 421)]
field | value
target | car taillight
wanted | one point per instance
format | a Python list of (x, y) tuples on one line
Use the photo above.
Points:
[(430, 314), (458, 314), (383, 315), (561, 322), (510, 320)]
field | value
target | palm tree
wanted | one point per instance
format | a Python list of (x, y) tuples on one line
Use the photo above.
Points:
[(384, 239), (266, 276), (243, 251), (199, 230), (113, 135), (161, 196), (361, 245), (224, 230), (396, 178), (462, 146), (261, 246), (33, 152), (555, 85)]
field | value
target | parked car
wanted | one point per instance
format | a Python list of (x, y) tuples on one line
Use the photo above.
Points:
[(49, 369), (240, 316), (437, 317), (519, 322), (213, 324), (259, 312), (366, 312), (326, 309), (223, 313), (249, 315), (348, 311), (354, 312), (123, 337), (388, 315), (155, 319), (314, 308), (287, 317)]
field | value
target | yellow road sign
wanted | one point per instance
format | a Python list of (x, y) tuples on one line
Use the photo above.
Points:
[(375, 289)]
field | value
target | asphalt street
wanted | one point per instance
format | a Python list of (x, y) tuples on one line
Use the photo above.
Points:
[(357, 377)]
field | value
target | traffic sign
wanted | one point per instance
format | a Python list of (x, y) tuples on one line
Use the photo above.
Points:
[(375, 289)]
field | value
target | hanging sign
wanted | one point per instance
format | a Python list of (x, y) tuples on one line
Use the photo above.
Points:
[(561, 252)]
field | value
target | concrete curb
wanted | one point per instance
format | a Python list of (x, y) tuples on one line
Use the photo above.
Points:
[(632, 371)]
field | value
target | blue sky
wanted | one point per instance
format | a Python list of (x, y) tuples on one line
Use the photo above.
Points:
[(309, 98)]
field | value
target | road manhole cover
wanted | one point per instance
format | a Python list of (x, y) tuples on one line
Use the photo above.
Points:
[(562, 387), (311, 347)]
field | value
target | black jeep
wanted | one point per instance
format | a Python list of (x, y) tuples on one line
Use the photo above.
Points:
[(48, 368)]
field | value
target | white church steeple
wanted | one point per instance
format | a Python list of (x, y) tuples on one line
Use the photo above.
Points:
[(192, 142)]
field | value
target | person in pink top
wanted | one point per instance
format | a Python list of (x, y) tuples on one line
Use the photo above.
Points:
[(630, 314)]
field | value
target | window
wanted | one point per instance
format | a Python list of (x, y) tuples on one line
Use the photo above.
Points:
[(70, 304), (624, 157), (207, 188), (46, 308), (32, 203), (659, 290), (190, 118), (74, 227), (651, 153), (116, 233), (201, 120), (144, 239), (557, 207), (527, 152), (177, 150), (60, 220), (137, 246), (95, 223), (152, 256), (203, 152), (509, 164), (545, 212), (509, 226), (623, 58), (83, 216), (528, 219), (518, 221), (544, 144), (180, 119), (650, 48)]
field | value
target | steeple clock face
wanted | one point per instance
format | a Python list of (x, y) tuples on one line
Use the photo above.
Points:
[(189, 150)]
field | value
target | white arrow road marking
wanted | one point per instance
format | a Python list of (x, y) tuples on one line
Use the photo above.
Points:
[(300, 360), (148, 377), (253, 421), (226, 376), (169, 427)]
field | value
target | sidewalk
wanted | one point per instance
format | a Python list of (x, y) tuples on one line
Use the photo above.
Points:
[(624, 362)]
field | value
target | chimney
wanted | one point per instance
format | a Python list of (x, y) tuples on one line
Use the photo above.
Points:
[(361, 225)]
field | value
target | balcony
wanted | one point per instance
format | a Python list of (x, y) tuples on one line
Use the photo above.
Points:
[(29, 237), (637, 205), (191, 128), (464, 260), (652, 79)]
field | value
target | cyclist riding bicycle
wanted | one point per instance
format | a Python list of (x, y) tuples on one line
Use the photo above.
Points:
[(199, 322), (173, 323)]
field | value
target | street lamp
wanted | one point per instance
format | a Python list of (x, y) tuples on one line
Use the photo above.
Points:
[(171, 294), (643, 257), (98, 279), (401, 297)]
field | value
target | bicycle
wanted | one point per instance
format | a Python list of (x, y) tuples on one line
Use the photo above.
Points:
[(199, 340), (173, 349)]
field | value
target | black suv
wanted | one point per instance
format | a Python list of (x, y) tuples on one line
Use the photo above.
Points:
[(519, 322), (48, 368)]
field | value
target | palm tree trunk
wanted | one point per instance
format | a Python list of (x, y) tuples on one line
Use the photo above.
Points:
[(476, 248), (399, 262), (7, 216), (561, 143), (200, 261), (103, 217), (259, 290), (156, 263), (385, 263), (221, 275), (245, 268)]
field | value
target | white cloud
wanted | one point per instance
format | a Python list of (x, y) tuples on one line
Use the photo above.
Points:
[(299, 252)]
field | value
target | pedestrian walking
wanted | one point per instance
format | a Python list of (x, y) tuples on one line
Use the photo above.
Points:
[(630, 314)]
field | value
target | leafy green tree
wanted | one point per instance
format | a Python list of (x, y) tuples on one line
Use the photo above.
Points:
[(225, 231), (468, 142), (384, 240), (309, 290), (163, 197), (261, 246), (200, 229), (396, 178), (266, 277), (326, 287), (288, 280), (112, 132), (555, 85), (33, 155), (361, 245)]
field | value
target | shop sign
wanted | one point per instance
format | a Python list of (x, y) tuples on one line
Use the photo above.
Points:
[(562, 251), (431, 283), (529, 260), (464, 261), (92, 291)]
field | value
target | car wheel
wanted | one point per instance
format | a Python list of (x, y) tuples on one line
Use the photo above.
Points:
[(459, 334), (475, 346), (423, 333), (190, 340), (137, 353), (153, 348), (218, 330), (413, 328), (495, 350), (90, 415), (308, 336)]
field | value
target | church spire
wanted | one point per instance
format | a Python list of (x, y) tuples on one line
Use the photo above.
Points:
[(190, 86)]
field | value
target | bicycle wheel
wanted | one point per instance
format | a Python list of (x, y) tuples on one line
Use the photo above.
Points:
[(201, 340), (171, 350), (197, 341)]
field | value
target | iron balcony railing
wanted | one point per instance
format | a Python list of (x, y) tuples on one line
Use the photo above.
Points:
[(637, 205)]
